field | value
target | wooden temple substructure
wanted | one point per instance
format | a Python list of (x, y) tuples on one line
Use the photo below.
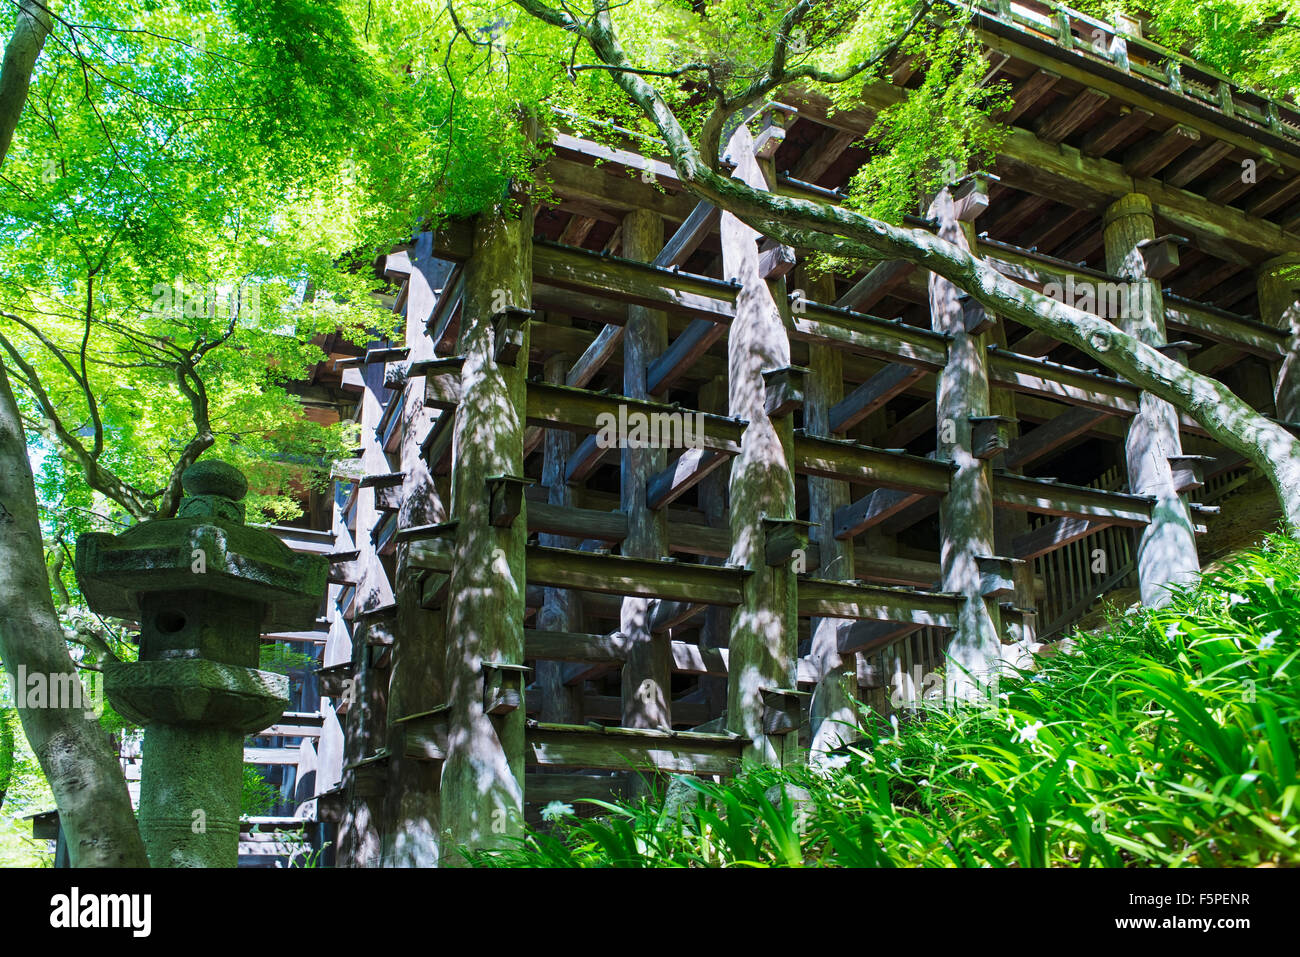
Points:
[(864, 488)]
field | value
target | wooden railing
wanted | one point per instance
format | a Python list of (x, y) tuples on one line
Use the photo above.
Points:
[(1146, 59)]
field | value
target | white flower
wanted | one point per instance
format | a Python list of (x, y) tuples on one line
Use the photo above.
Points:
[(556, 810), (836, 762), (1270, 639), (1172, 630), (1029, 732), (1235, 599)]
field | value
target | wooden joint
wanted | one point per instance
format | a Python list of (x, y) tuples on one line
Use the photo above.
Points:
[(334, 681), (785, 390), (997, 575), (508, 334), (975, 319), (506, 498), (424, 735), (782, 709), (1189, 470), (991, 435), (1160, 255), (433, 590), (784, 539), (503, 686), (970, 195)]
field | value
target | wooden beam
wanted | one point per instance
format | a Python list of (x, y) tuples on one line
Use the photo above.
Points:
[(1053, 535), (860, 600), (1028, 92), (622, 749), (871, 510), (667, 368), (875, 285), (1060, 121), (1150, 157), (871, 395), (680, 476), (1046, 438), (606, 344), (641, 577), (1107, 135)]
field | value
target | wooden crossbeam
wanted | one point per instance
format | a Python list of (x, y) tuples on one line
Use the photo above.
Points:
[(849, 461), (861, 600), (624, 749), (871, 510), (702, 220), (585, 459), (1198, 163), (1053, 535), (684, 473), (821, 156), (1059, 122), (1028, 92), (875, 285), (1049, 436), (641, 577), (1106, 136), (1150, 157), (694, 341), (872, 395), (607, 344), (581, 410), (869, 637)]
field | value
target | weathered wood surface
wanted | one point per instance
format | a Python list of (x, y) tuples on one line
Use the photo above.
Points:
[(1166, 552), (482, 778)]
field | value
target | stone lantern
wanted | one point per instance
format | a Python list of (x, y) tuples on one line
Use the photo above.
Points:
[(204, 588)]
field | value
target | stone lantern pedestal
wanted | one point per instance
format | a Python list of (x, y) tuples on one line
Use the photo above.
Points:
[(204, 588)]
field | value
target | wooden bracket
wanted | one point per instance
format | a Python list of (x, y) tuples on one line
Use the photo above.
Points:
[(776, 118), (1160, 255), (785, 389), (970, 195), (783, 537), (433, 590), (424, 735), (997, 575), (508, 334), (1189, 470), (782, 709), (503, 686), (990, 435), (975, 319), (506, 498)]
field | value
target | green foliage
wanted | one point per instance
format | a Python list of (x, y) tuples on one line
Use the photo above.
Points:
[(1169, 739), (257, 796)]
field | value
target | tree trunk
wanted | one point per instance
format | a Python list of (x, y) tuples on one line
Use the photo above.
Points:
[(83, 772), (24, 47)]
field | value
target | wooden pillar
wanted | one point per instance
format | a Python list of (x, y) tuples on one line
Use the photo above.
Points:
[(833, 710), (1166, 551), (416, 683), (966, 512), (647, 670), (482, 780), (764, 627), (360, 840), (1278, 283), (712, 491), (561, 607), (1009, 523)]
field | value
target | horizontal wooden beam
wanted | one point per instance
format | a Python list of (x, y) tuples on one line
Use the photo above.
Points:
[(861, 600), (624, 749), (641, 577)]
